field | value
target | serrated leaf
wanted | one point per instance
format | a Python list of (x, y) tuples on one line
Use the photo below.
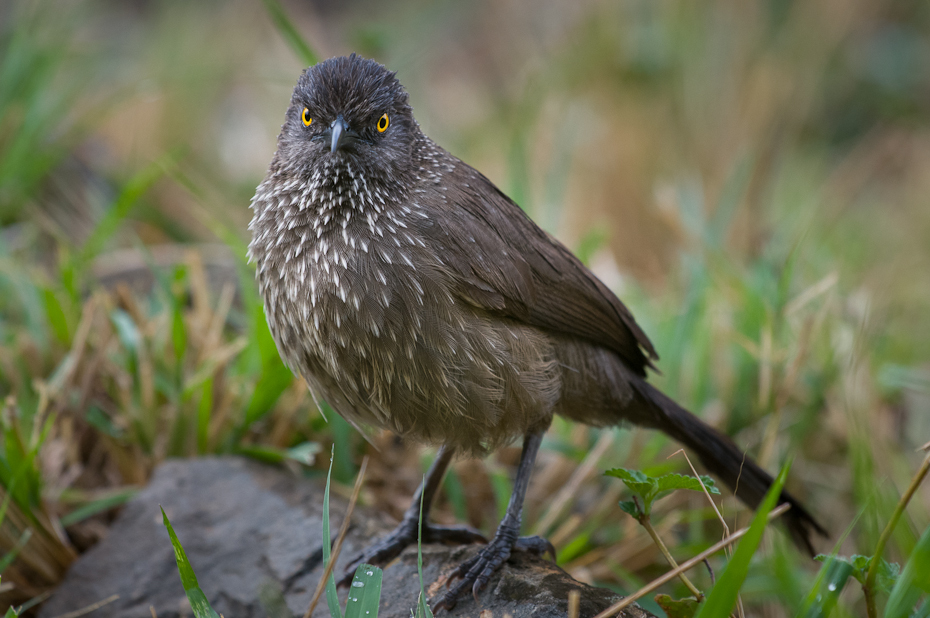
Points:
[(677, 608), (364, 593), (672, 481), (887, 571), (637, 481)]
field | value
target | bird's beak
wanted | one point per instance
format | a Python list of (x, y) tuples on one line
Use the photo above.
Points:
[(340, 134)]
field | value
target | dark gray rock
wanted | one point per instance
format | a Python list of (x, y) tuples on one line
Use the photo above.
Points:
[(250, 530)]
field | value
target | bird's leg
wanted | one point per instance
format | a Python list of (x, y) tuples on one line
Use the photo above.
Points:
[(476, 572), (405, 533)]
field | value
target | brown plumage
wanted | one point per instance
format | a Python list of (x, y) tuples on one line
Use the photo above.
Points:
[(412, 294)]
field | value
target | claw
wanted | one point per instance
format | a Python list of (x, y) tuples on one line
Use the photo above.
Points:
[(476, 572), (405, 534)]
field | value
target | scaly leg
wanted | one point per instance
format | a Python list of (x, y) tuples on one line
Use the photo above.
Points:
[(405, 533), (476, 572)]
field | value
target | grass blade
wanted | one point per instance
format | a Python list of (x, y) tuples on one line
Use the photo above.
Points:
[(722, 597), (365, 592), (198, 600), (98, 506), (132, 191), (423, 608), (913, 581), (331, 598), (289, 32), (830, 583)]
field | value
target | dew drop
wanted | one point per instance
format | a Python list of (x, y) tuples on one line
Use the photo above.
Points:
[(831, 587), (357, 584)]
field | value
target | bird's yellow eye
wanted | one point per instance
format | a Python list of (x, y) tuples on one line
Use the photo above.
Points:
[(306, 117), (383, 123)]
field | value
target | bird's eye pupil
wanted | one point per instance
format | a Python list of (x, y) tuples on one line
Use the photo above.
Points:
[(306, 117), (383, 123)]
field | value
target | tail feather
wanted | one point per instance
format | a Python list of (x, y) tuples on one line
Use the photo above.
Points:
[(725, 460)]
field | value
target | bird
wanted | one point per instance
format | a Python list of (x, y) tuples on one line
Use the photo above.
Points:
[(411, 294)]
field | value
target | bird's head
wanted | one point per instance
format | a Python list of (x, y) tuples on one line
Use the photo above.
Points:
[(348, 112)]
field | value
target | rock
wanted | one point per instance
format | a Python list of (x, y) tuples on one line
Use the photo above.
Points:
[(248, 530)]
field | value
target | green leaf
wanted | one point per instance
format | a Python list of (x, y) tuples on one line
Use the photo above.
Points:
[(722, 597), (638, 482), (914, 580), (364, 593), (672, 481), (631, 508), (331, 598), (677, 608), (887, 571), (198, 600)]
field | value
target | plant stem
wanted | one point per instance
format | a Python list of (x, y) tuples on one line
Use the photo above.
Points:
[(687, 564), (644, 520), (868, 588)]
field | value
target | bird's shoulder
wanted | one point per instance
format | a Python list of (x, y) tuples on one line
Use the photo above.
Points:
[(504, 263)]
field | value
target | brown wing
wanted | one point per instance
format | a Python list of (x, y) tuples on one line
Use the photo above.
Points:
[(503, 262)]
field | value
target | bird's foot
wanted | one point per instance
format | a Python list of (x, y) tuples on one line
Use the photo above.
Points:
[(476, 572), (406, 534)]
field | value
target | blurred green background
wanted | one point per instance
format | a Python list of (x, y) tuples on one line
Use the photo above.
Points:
[(752, 178)]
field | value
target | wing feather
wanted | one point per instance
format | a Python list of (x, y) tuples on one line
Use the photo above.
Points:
[(502, 262)]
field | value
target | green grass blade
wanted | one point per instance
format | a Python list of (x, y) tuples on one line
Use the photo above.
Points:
[(831, 581), (365, 592), (198, 600), (98, 506), (137, 186), (423, 609), (56, 316), (289, 32), (913, 581), (722, 597), (10, 556), (331, 598), (204, 409)]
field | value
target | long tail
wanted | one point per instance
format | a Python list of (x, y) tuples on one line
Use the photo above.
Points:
[(725, 460)]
